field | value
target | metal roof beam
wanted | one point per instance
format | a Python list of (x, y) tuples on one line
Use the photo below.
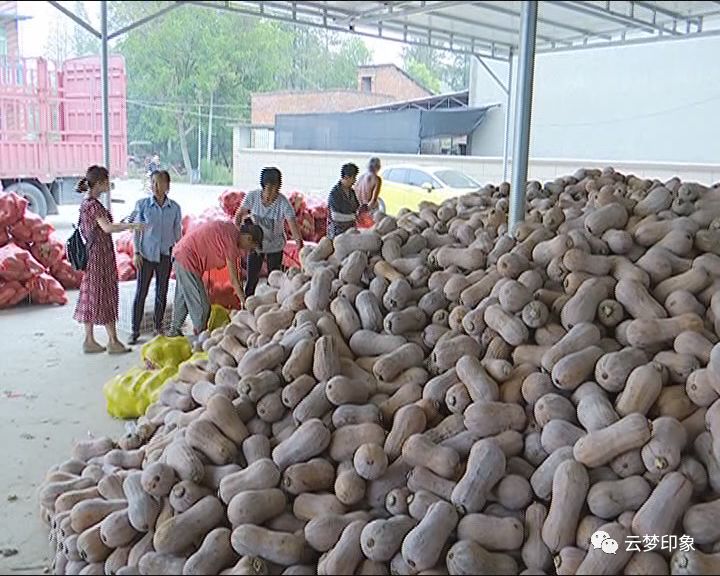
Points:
[(461, 44), (544, 21), (616, 17), (426, 7), (659, 10), (492, 74), (630, 42), (384, 8), (504, 29), (79, 21)]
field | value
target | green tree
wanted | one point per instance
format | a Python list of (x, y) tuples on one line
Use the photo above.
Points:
[(424, 75), (82, 42), (67, 39), (177, 61), (436, 69)]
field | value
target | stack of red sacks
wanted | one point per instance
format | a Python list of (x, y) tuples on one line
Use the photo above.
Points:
[(125, 248), (318, 211), (32, 262), (231, 200)]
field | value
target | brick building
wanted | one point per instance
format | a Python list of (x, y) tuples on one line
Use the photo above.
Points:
[(377, 84)]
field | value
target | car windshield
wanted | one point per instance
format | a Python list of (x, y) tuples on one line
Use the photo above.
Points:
[(455, 179)]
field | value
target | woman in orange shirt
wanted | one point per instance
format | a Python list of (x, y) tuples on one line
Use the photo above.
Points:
[(211, 246)]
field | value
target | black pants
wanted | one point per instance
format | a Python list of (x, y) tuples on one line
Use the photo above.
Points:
[(254, 265), (161, 271)]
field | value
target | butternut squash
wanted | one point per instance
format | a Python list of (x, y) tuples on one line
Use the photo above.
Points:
[(571, 481), (601, 446), (485, 467)]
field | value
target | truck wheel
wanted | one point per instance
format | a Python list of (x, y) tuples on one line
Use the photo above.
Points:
[(35, 198)]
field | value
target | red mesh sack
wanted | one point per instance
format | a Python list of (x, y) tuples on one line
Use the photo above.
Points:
[(12, 293), (125, 243), (125, 267), (231, 200), (44, 289), (297, 201), (48, 253), (365, 220), (18, 264), (220, 290), (215, 213), (319, 212), (12, 208), (306, 222), (31, 229), (291, 255), (69, 278), (189, 223), (4, 236)]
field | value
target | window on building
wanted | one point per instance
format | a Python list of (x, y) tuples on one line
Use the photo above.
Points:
[(366, 84)]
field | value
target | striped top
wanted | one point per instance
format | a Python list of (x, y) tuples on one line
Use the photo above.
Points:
[(342, 210), (270, 218)]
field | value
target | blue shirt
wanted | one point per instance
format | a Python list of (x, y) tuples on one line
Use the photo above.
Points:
[(163, 230)]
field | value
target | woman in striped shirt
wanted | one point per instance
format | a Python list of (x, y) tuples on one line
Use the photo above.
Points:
[(343, 205), (270, 210)]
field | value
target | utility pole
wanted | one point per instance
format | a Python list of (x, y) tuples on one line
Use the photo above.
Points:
[(210, 127), (199, 140)]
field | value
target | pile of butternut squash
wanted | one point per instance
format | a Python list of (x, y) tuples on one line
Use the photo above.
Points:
[(437, 396)]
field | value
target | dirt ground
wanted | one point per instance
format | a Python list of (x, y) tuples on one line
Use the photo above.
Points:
[(51, 394)]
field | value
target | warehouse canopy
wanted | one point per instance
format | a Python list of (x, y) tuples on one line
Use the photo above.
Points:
[(388, 131), (490, 28), (487, 29)]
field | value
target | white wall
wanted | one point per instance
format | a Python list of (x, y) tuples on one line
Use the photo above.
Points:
[(485, 90), (316, 172), (656, 102)]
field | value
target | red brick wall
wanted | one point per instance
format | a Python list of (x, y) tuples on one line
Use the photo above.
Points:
[(266, 105), (392, 81)]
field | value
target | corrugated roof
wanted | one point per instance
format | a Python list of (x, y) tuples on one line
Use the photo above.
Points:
[(491, 28)]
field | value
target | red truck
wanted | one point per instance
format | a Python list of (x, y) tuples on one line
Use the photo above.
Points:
[(51, 126)]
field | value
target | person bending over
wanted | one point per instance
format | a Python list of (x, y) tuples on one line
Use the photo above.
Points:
[(210, 246), (270, 210)]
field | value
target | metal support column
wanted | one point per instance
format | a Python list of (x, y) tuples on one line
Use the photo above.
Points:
[(506, 145), (523, 110), (105, 90)]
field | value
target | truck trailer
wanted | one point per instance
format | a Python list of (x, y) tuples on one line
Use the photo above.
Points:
[(51, 126)]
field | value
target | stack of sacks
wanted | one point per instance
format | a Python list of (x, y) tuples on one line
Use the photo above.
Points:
[(125, 247), (32, 262), (231, 200)]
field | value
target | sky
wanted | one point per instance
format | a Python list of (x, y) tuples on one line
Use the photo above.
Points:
[(43, 14)]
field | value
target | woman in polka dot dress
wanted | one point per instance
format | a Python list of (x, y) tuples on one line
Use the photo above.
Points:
[(98, 301)]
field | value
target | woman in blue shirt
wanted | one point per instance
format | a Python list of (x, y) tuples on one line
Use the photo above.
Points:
[(153, 249)]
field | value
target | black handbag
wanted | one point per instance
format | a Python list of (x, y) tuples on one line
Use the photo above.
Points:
[(76, 250)]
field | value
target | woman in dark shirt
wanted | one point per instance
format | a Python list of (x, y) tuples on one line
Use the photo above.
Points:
[(343, 205)]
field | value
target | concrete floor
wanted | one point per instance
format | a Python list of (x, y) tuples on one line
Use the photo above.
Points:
[(51, 394)]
